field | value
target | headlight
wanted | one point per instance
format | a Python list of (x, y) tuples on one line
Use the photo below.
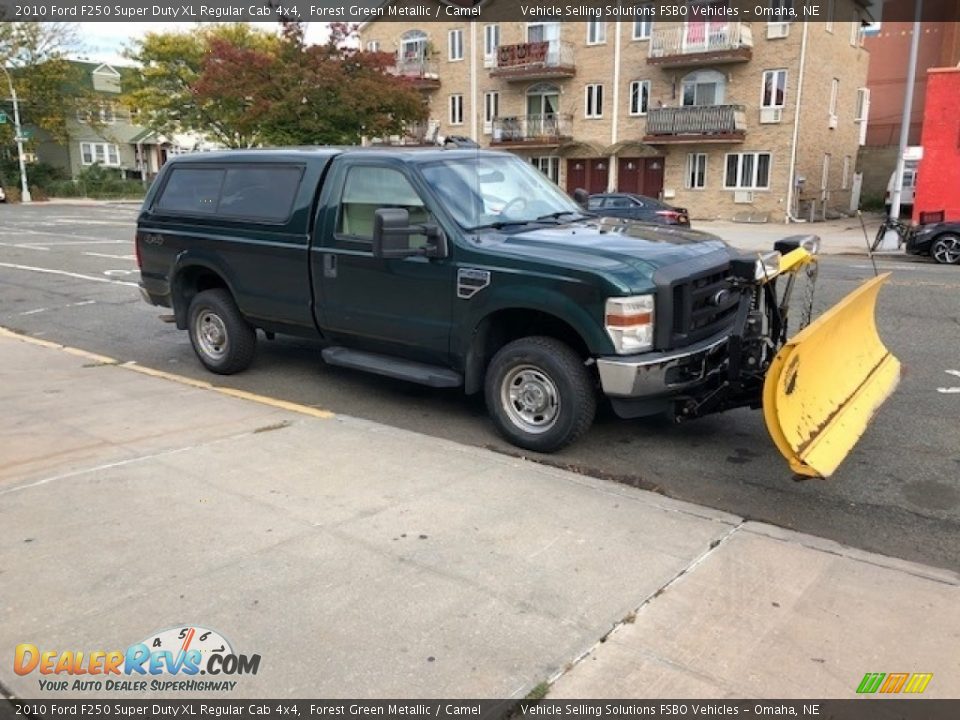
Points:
[(629, 323)]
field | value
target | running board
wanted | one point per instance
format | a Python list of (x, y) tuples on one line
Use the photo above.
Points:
[(420, 373)]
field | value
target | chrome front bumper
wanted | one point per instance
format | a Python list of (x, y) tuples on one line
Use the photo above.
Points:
[(661, 373)]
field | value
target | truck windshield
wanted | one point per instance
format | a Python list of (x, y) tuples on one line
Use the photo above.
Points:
[(495, 191)]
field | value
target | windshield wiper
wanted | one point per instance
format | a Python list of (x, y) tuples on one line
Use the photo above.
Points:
[(560, 214), (499, 225)]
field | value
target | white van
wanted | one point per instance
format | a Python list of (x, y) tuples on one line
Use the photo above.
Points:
[(907, 188)]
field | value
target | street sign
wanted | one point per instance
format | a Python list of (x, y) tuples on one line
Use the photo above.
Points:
[(3, 117), (25, 135)]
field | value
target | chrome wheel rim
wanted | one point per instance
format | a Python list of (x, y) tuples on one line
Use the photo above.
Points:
[(531, 399), (211, 334), (947, 250)]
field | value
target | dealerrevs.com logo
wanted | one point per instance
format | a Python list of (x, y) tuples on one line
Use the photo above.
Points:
[(169, 660)]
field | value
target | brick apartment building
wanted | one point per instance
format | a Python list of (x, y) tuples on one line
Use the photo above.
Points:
[(729, 119)]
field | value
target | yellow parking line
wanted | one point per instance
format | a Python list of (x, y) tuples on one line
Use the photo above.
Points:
[(183, 380)]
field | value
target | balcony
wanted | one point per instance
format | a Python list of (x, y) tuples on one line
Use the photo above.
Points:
[(698, 124), (534, 61), (532, 130), (694, 44), (421, 73)]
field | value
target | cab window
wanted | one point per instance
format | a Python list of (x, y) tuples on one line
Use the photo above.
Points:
[(369, 188)]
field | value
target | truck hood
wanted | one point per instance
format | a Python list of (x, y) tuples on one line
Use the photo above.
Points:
[(627, 251)]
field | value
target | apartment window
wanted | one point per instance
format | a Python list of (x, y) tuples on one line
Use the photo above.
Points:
[(825, 174), (549, 165), (828, 16), (596, 32), (594, 103), (863, 104), (834, 96), (855, 31), (703, 87), (373, 46), (491, 40), (639, 97), (774, 89), (641, 29), (747, 171), (696, 171), (491, 109), (108, 114), (455, 44), (845, 178), (456, 109), (413, 46), (105, 154)]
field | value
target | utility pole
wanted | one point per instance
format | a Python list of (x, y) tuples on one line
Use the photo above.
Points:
[(24, 186), (890, 239)]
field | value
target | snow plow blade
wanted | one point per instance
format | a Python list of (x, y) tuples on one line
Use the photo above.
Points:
[(825, 384)]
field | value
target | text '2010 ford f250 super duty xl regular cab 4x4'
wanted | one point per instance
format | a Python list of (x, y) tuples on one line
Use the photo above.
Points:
[(470, 269)]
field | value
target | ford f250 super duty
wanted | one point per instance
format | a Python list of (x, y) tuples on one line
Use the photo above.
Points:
[(470, 269)]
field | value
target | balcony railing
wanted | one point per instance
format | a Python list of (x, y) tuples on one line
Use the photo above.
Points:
[(535, 60), (532, 129), (709, 123), (700, 43), (422, 72)]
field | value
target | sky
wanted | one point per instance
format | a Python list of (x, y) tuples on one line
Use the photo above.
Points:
[(104, 42)]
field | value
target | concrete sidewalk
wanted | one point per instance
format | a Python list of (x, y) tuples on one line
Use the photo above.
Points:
[(360, 560), (837, 237)]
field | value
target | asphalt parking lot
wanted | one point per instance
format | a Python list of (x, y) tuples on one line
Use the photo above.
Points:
[(68, 274)]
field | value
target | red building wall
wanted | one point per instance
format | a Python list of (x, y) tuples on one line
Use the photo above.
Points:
[(938, 178)]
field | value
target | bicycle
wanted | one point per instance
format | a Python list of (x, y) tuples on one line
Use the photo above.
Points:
[(901, 228)]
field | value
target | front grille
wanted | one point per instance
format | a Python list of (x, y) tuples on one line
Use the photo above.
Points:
[(691, 305)]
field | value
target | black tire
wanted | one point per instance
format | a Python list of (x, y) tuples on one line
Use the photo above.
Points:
[(556, 399), (222, 339), (946, 249)]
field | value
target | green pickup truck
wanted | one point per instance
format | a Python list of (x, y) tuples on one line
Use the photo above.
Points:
[(457, 268)]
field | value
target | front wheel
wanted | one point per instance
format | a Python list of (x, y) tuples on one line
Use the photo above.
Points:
[(539, 394), (946, 249), (221, 337)]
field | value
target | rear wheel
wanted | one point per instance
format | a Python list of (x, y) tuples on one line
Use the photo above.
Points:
[(221, 337), (539, 394), (946, 249)]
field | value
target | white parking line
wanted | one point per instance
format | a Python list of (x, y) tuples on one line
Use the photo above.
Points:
[(950, 390), (67, 274), (25, 247), (112, 257), (61, 307)]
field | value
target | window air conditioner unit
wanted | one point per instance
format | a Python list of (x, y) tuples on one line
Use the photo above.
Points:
[(743, 197), (769, 116), (833, 122), (777, 30)]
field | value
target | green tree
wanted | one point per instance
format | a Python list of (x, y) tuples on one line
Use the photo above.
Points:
[(48, 87), (170, 66), (245, 87)]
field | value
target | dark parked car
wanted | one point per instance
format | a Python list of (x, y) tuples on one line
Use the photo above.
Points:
[(941, 241), (637, 207)]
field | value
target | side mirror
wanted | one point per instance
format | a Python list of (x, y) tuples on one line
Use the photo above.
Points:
[(391, 230), (581, 197)]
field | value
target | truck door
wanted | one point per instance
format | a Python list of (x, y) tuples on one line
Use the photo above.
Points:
[(396, 306)]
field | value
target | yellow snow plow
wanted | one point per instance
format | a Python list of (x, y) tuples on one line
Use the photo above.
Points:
[(826, 383), (819, 388)]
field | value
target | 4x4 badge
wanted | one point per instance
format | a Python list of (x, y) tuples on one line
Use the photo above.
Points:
[(470, 281)]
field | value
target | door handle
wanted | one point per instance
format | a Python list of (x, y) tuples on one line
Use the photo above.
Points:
[(329, 265)]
